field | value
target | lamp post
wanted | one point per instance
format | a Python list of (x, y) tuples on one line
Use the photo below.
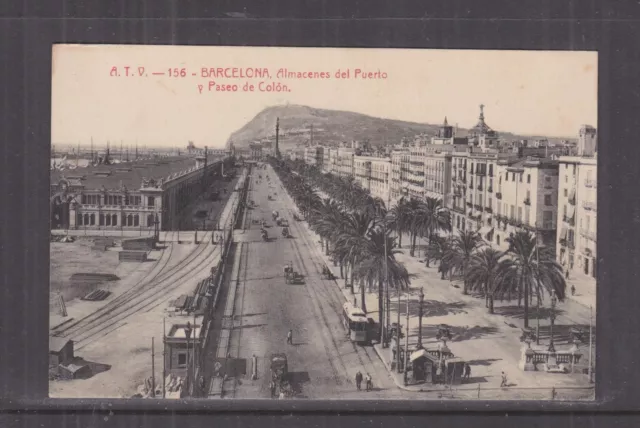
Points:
[(421, 295), (552, 318)]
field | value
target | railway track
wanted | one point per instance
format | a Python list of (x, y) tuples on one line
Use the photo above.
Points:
[(140, 296), (329, 291)]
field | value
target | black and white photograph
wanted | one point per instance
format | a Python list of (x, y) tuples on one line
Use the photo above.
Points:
[(322, 223)]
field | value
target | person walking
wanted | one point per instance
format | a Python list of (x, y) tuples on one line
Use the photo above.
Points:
[(467, 372), (272, 386), (573, 290), (359, 380), (368, 382), (290, 337), (504, 380)]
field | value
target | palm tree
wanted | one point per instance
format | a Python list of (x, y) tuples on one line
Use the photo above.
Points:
[(436, 251), (371, 267), (398, 218), (459, 255), (489, 271), (436, 218), (535, 269)]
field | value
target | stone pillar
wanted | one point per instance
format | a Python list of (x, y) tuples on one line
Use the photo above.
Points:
[(73, 215)]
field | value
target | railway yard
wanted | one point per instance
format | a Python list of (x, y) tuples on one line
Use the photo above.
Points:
[(117, 332)]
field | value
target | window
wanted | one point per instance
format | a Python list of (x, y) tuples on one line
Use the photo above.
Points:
[(490, 169), (497, 239), (506, 177), (566, 192), (182, 360), (520, 177), (528, 194), (513, 177), (513, 211), (566, 178), (152, 201), (101, 219), (108, 220), (519, 213), (528, 178), (547, 219), (92, 219), (547, 200), (564, 210)]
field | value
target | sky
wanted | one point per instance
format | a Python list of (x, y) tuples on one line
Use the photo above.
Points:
[(548, 93)]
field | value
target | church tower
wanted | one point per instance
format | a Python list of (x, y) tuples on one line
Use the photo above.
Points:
[(445, 131)]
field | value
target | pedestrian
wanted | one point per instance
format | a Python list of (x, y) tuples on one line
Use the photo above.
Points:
[(281, 397), (290, 337), (467, 372), (573, 290), (359, 380), (368, 382), (504, 380), (272, 386)]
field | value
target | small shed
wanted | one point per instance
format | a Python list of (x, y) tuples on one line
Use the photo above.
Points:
[(424, 366), (60, 350), (455, 369), (74, 371)]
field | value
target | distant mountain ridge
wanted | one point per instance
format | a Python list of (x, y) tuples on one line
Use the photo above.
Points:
[(335, 126)]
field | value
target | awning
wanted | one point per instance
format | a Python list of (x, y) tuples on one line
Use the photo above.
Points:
[(564, 232), (571, 210)]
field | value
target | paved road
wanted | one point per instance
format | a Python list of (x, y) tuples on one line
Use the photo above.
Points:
[(322, 361)]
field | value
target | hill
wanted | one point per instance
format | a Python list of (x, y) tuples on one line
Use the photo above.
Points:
[(332, 126)]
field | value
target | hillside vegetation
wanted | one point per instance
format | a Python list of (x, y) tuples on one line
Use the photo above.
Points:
[(332, 126)]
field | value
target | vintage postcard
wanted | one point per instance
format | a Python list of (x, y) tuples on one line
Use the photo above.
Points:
[(322, 223)]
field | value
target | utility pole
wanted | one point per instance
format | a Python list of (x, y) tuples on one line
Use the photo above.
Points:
[(590, 342), (538, 293), (398, 334), (385, 328), (153, 369), (164, 358), (406, 346)]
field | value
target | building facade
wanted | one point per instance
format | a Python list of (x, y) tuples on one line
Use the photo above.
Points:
[(130, 196), (374, 174), (314, 156), (577, 208), (398, 187)]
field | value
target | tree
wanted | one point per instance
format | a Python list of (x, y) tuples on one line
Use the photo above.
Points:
[(436, 218), (534, 269), (488, 271), (371, 267), (399, 218), (459, 254)]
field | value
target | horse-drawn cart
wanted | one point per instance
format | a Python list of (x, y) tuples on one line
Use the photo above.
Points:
[(291, 276), (279, 372)]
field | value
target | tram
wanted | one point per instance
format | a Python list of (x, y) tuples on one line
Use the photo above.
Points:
[(356, 323)]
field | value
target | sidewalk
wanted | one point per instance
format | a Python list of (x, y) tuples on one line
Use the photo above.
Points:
[(585, 289)]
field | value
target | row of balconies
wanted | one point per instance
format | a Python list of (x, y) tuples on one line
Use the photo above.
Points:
[(588, 234), (118, 207), (589, 206), (590, 183)]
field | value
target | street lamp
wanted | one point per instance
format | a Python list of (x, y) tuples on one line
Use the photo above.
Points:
[(552, 318), (421, 295)]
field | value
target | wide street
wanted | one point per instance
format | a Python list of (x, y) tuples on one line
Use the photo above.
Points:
[(322, 361)]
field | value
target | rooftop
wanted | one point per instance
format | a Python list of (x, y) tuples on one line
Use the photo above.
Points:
[(129, 174), (57, 343)]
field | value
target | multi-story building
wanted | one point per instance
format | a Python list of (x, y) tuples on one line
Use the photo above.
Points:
[(399, 173), (314, 156), (526, 198), (343, 162), (374, 174), (498, 193), (131, 195), (416, 176), (577, 207)]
